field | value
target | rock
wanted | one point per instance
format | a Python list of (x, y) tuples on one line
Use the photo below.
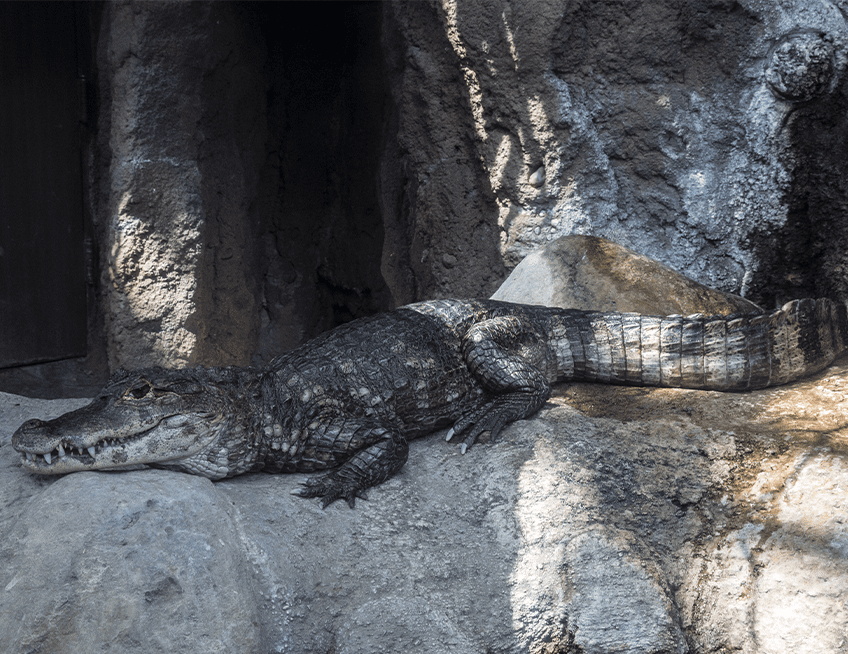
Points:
[(140, 561), (617, 520), (236, 212), (232, 223), (605, 571), (798, 592), (699, 134), (592, 273), (175, 268), (801, 66), (538, 178), (16, 491)]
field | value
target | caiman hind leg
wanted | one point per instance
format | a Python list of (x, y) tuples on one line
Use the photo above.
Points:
[(510, 360), (378, 453)]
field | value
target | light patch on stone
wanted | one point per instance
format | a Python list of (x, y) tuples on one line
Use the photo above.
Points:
[(474, 92), (537, 179), (502, 157)]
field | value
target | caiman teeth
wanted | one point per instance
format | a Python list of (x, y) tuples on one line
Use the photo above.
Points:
[(64, 448)]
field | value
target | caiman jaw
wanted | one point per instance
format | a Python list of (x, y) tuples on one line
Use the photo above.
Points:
[(34, 461), (158, 441), (106, 452)]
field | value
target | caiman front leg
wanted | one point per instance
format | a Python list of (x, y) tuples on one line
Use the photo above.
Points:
[(378, 453), (505, 355)]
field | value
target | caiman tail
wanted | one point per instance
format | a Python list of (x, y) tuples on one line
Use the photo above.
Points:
[(726, 353)]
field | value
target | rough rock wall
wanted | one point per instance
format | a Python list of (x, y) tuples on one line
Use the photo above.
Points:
[(708, 134), (437, 202), (236, 201), (259, 188), (179, 179)]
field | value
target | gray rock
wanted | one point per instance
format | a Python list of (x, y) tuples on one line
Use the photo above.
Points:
[(231, 222), (133, 562), (606, 570), (16, 490), (701, 134), (592, 273), (617, 520), (170, 278)]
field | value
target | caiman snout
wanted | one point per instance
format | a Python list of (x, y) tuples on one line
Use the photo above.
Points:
[(25, 432)]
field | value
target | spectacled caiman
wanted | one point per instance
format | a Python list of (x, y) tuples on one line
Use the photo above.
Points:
[(351, 399)]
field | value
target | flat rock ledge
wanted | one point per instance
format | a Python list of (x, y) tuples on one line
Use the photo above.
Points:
[(617, 520)]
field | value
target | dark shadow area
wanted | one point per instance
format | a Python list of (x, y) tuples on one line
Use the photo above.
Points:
[(806, 257), (322, 226), (52, 318)]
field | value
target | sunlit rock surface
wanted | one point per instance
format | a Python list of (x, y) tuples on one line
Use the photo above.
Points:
[(701, 134), (617, 520), (591, 273)]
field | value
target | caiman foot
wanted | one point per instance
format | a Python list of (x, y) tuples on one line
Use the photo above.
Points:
[(330, 488), (368, 467), (503, 354), (494, 415)]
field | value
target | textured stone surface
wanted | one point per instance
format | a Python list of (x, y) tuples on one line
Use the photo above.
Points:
[(702, 134), (257, 177), (592, 273), (706, 134), (176, 247), (138, 563), (617, 520), (233, 167)]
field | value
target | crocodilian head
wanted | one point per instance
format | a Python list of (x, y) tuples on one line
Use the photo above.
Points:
[(151, 416)]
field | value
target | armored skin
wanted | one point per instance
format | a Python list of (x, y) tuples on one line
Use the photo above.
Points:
[(349, 400)]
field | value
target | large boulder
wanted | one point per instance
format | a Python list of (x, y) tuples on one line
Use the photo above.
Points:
[(595, 274)]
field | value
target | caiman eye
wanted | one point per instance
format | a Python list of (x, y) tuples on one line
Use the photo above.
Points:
[(140, 390)]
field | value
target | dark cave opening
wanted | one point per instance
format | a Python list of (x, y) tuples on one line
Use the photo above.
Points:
[(327, 98)]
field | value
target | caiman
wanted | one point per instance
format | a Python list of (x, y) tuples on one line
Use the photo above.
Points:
[(349, 400)]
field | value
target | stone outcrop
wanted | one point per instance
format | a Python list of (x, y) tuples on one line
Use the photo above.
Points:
[(179, 183), (617, 520), (705, 135), (232, 223), (234, 193), (257, 177)]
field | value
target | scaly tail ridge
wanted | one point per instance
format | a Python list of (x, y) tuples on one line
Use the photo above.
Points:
[(726, 353)]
